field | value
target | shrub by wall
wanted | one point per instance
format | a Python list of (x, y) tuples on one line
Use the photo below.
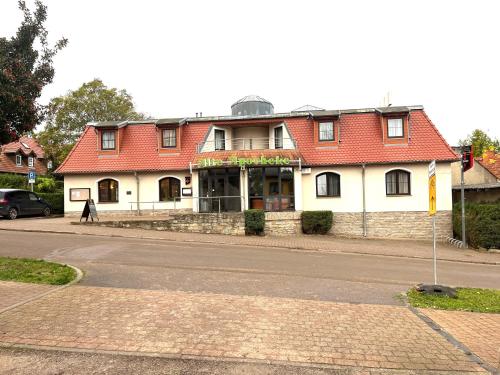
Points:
[(482, 224), (56, 201), (254, 221), (13, 181), (317, 222)]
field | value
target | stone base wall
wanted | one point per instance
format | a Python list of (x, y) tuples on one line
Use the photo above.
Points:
[(224, 223), (347, 224), (121, 213), (283, 223), (414, 225)]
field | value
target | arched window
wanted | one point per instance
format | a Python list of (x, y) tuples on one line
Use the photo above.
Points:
[(108, 191), (170, 188), (328, 185), (397, 182)]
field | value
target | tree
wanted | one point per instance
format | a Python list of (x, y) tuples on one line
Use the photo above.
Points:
[(480, 142), (68, 114), (24, 71)]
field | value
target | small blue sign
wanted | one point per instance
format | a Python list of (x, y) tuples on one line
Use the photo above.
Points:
[(31, 176)]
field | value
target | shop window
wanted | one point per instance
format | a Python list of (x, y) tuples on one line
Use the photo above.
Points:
[(395, 128), (170, 188), (397, 182), (169, 138), (326, 131), (108, 191), (108, 140), (271, 188), (328, 185)]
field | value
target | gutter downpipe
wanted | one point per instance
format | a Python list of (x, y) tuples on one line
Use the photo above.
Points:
[(364, 199), (137, 194)]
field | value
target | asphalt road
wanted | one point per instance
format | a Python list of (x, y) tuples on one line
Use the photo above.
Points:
[(242, 270)]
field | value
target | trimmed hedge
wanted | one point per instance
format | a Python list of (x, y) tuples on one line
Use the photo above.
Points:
[(482, 224), (255, 221), (317, 222), (13, 181), (56, 201)]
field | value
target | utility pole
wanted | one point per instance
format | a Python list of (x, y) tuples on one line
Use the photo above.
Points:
[(462, 202)]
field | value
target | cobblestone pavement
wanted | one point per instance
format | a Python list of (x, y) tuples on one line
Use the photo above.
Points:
[(12, 292), (479, 332), (238, 327), (419, 249), (22, 361)]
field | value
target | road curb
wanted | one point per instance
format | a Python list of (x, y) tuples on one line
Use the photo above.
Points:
[(79, 276), (297, 248)]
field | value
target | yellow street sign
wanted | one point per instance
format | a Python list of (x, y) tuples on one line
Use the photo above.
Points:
[(432, 195)]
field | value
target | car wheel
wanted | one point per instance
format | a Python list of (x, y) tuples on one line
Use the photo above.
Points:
[(12, 214), (46, 211)]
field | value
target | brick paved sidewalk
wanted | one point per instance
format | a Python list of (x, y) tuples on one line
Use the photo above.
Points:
[(479, 332), (238, 327), (419, 249), (12, 292)]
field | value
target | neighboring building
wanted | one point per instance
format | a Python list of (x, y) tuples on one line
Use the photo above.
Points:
[(22, 156), (481, 182), (369, 166)]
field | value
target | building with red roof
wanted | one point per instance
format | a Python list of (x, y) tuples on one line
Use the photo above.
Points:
[(22, 156), (368, 166)]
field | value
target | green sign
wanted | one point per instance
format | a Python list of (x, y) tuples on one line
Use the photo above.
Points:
[(242, 162)]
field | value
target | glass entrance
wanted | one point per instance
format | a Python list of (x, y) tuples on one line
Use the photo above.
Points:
[(219, 190), (271, 188)]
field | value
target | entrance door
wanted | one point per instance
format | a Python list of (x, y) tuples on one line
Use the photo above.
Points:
[(218, 193)]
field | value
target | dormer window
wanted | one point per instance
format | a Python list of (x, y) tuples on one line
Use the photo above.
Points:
[(108, 140), (169, 138), (31, 162), (395, 128), (19, 160), (326, 131)]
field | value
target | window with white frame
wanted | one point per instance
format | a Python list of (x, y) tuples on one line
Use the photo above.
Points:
[(326, 131), (169, 138), (19, 160), (108, 140), (31, 161), (395, 127)]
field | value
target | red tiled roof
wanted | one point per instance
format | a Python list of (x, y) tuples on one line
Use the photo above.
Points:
[(9, 150), (19, 146), (491, 161), (360, 142)]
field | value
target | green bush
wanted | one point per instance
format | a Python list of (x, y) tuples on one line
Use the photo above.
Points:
[(45, 185), (56, 201), (255, 221), (13, 181), (317, 222), (482, 224)]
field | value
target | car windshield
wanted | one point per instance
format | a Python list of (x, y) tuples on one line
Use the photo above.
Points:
[(1, 194)]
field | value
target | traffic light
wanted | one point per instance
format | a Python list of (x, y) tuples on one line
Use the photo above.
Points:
[(467, 157)]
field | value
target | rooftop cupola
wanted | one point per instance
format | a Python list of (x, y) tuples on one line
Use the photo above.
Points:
[(252, 105)]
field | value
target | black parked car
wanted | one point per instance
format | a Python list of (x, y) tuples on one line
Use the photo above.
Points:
[(15, 202)]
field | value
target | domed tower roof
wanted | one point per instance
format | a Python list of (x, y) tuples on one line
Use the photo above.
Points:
[(252, 105)]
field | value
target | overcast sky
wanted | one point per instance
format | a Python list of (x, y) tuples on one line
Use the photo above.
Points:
[(181, 57)]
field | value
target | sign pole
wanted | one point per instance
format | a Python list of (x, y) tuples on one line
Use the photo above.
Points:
[(462, 202), (434, 247), (432, 212)]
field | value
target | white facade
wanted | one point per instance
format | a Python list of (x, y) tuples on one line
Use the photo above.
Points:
[(350, 200)]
